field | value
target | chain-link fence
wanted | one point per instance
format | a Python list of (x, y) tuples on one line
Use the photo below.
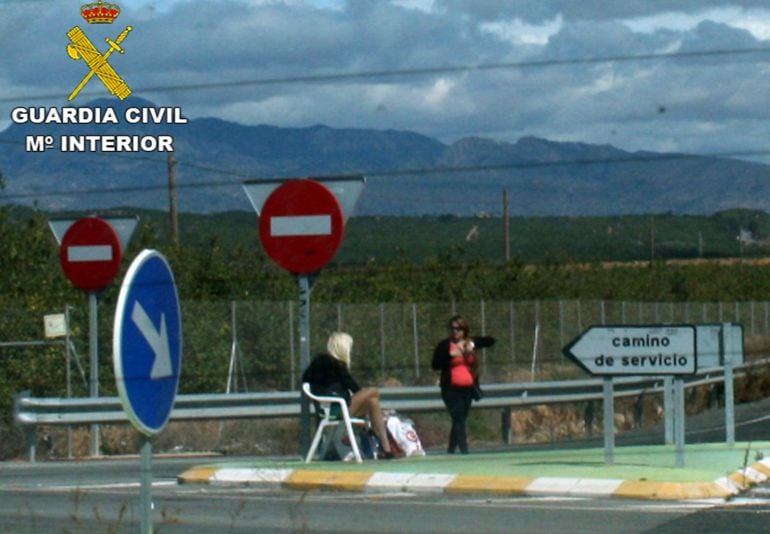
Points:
[(253, 346)]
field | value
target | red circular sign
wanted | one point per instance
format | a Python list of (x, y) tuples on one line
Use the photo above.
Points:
[(301, 226), (90, 254)]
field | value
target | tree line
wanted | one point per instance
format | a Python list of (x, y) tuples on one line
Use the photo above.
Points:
[(216, 268)]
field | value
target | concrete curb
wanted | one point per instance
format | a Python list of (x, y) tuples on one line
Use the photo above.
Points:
[(373, 481)]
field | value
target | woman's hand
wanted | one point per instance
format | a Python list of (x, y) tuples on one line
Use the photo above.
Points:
[(466, 346)]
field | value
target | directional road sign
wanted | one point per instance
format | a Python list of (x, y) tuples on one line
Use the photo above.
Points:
[(147, 342), (301, 225), (635, 350), (90, 254), (719, 345)]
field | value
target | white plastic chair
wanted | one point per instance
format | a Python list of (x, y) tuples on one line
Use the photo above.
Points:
[(329, 419)]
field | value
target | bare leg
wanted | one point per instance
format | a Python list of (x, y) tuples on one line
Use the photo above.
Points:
[(367, 402)]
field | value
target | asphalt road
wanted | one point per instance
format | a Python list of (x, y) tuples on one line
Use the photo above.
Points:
[(194, 510), (103, 496)]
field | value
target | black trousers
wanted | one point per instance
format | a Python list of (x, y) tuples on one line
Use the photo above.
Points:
[(458, 403)]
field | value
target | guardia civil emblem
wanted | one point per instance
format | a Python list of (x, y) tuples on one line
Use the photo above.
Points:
[(81, 48)]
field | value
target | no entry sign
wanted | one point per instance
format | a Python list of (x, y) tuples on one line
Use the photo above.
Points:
[(301, 225), (90, 254)]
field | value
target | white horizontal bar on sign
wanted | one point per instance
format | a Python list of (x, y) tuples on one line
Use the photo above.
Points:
[(89, 253), (299, 225)]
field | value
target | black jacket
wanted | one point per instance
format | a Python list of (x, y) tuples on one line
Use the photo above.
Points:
[(329, 376), (442, 359)]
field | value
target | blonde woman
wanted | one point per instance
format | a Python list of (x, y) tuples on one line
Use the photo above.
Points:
[(329, 374)]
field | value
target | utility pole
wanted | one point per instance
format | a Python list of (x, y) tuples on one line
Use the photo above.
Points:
[(172, 209), (506, 227), (652, 240), (700, 244)]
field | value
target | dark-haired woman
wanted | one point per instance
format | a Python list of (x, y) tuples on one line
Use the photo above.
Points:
[(455, 357)]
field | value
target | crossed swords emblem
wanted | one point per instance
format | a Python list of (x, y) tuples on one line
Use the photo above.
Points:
[(82, 48)]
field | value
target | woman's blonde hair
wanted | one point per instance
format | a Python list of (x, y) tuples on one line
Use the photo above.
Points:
[(339, 346)]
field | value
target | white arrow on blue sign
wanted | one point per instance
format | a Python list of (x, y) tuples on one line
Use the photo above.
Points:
[(147, 342), (635, 350)]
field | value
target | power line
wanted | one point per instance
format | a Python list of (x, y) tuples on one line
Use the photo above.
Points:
[(413, 72), (375, 173)]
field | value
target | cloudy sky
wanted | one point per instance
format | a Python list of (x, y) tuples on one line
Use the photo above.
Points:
[(663, 75)]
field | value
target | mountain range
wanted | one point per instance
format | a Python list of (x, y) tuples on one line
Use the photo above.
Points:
[(407, 173)]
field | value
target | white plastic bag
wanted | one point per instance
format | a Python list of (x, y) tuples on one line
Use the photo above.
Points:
[(401, 429)]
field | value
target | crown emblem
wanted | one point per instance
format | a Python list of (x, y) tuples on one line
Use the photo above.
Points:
[(100, 13)]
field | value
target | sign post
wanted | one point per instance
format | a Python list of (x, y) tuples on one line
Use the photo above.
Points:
[(147, 356), (90, 250), (727, 341), (720, 345), (608, 421), (301, 226), (305, 285), (609, 351), (668, 409), (679, 415)]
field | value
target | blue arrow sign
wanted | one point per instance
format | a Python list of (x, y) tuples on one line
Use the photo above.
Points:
[(147, 342)]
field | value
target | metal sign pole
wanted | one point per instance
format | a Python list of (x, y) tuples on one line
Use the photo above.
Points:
[(727, 359), (305, 288), (233, 348), (609, 421), (729, 405), (668, 409), (93, 341), (68, 352), (679, 421), (145, 498)]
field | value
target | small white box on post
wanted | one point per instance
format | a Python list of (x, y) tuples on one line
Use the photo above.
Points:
[(55, 325)]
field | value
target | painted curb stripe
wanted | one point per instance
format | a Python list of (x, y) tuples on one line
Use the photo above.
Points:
[(410, 481), (197, 475), (574, 486), (250, 476), (722, 487), (728, 485), (754, 474), (345, 481), (763, 466), (489, 484), (740, 480), (746, 478), (646, 489)]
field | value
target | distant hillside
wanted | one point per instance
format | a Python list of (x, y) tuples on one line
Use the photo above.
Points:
[(408, 173)]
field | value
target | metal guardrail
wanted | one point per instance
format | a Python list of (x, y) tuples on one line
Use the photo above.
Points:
[(30, 412)]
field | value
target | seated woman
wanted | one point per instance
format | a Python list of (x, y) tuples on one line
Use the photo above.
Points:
[(329, 374)]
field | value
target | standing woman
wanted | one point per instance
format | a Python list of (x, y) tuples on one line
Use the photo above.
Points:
[(329, 374), (455, 357)]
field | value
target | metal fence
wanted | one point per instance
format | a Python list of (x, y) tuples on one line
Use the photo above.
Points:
[(250, 346)]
